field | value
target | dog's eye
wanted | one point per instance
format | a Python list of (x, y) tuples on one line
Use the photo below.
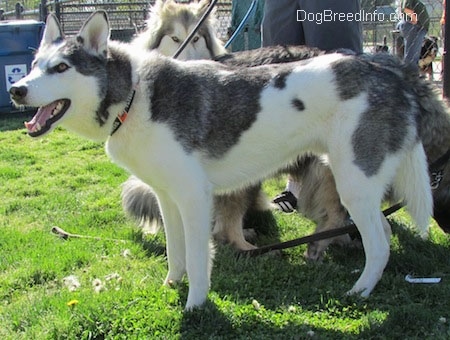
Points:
[(61, 67), (195, 39), (175, 38)]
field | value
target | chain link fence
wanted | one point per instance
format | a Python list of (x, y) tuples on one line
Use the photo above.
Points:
[(128, 18)]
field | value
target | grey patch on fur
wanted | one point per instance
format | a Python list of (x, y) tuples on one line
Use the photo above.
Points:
[(196, 102), (112, 90), (348, 79), (384, 126), (298, 104)]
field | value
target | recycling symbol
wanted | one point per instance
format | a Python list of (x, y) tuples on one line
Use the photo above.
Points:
[(14, 73)]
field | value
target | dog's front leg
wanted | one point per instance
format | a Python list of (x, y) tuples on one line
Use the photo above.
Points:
[(173, 227), (196, 204)]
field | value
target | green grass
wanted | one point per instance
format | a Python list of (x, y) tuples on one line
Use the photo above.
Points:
[(62, 180)]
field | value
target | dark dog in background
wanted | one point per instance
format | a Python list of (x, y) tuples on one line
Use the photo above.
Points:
[(428, 54)]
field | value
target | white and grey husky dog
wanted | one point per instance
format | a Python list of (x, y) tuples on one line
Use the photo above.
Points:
[(206, 128)]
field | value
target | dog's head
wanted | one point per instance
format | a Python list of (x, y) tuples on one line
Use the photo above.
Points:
[(67, 76), (170, 23)]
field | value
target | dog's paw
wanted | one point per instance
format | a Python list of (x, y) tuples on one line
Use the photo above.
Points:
[(192, 308), (363, 292), (196, 300), (250, 234), (243, 246), (314, 252), (170, 283)]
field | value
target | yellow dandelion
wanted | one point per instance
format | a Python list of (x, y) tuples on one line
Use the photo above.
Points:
[(72, 303)]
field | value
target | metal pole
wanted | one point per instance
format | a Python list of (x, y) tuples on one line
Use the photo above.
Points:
[(58, 10), (43, 11), (446, 54)]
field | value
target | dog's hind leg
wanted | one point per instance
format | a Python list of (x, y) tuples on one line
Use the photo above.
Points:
[(375, 242), (362, 196), (229, 214)]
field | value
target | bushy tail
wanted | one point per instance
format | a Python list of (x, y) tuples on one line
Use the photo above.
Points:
[(412, 183), (140, 202)]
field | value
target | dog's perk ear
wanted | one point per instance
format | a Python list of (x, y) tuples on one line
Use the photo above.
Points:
[(94, 34), (52, 32)]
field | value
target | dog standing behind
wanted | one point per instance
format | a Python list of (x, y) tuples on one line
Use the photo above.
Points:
[(209, 128), (140, 201), (168, 26)]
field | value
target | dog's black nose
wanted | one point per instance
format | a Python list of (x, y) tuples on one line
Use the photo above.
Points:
[(18, 92)]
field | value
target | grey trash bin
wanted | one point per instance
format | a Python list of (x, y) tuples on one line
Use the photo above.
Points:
[(18, 40)]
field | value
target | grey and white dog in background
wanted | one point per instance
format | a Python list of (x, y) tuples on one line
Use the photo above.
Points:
[(170, 23), (210, 128)]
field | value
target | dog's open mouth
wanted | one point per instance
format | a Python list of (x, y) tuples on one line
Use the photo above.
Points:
[(46, 116)]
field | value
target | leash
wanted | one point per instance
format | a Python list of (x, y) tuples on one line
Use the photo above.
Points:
[(196, 28), (348, 228)]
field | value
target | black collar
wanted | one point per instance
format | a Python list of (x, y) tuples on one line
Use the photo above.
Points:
[(121, 117)]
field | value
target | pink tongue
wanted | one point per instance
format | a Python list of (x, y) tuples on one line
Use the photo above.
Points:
[(41, 117)]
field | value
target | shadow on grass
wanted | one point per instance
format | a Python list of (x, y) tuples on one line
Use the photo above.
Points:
[(151, 245), (278, 282), (281, 281), (210, 323)]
